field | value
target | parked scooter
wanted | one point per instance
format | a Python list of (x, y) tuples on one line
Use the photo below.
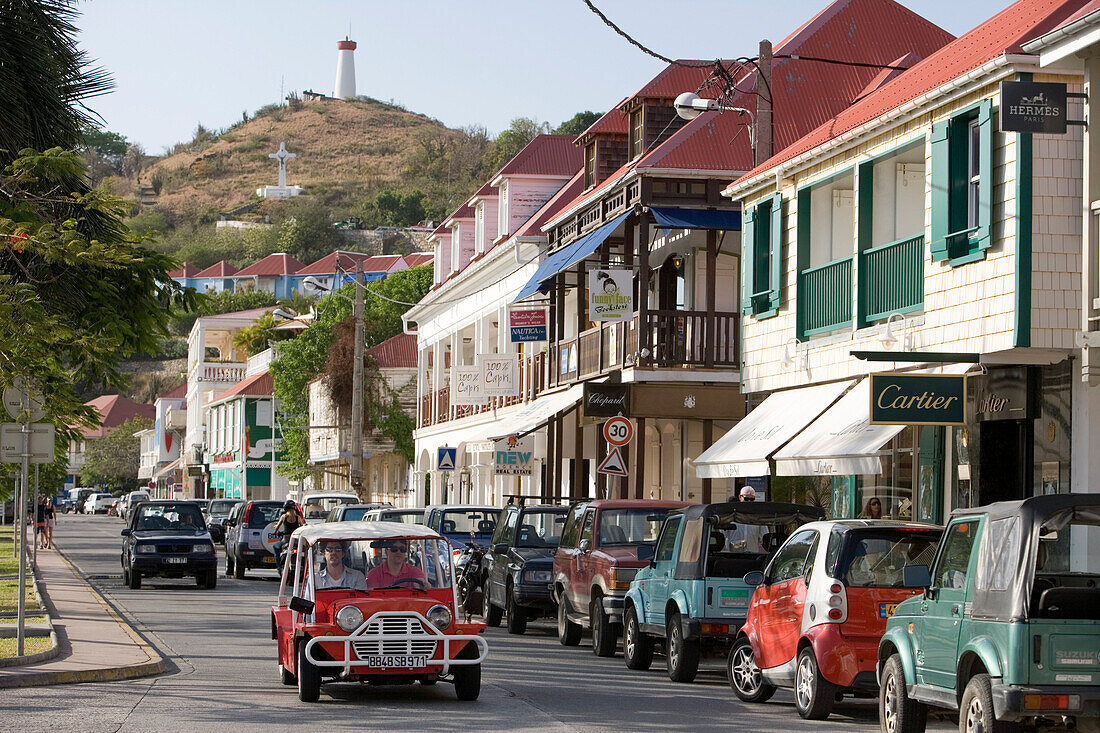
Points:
[(470, 596)]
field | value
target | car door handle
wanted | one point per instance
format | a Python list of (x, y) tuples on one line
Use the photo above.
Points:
[(954, 610)]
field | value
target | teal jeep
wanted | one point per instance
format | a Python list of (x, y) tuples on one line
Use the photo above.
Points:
[(1007, 631), (692, 597)]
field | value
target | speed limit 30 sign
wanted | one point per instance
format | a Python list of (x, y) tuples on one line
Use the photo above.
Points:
[(618, 430)]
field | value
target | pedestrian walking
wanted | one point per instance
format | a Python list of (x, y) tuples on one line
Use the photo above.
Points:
[(40, 521), (51, 522)]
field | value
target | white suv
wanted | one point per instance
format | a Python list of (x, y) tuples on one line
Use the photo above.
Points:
[(98, 503), (131, 500)]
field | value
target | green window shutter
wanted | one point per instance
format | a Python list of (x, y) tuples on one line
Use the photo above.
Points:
[(748, 245), (865, 180), (984, 235), (802, 256), (775, 280), (941, 190)]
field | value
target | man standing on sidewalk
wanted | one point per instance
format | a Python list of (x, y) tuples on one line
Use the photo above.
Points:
[(40, 522)]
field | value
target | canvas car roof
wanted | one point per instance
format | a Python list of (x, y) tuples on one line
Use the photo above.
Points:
[(757, 512), (315, 533)]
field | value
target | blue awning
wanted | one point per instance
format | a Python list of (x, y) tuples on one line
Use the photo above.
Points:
[(568, 256), (696, 218)]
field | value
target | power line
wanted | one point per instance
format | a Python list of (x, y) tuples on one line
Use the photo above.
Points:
[(861, 64), (607, 21)]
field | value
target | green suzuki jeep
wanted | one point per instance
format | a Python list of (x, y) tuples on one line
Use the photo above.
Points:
[(1007, 631)]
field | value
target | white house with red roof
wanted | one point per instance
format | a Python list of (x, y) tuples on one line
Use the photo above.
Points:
[(909, 235), (214, 279), (386, 473)]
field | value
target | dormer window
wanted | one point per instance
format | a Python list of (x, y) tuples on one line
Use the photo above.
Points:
[(636, 137), (590, 165)]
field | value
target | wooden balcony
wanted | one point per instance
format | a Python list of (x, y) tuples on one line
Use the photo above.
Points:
[(891, 279), (825, 297), (531, 378)]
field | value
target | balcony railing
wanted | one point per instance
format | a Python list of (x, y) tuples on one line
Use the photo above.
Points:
[(531, 377), (825, 297), (892, 278), (221, 372), (680, 338)]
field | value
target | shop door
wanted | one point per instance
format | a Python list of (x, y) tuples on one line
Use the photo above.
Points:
[(1005, 460), (929, 479)]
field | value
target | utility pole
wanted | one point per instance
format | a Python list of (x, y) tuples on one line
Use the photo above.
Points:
[(764, 104), (357, 388)]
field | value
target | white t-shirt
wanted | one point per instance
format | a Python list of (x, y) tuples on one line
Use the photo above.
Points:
[(351, 578)]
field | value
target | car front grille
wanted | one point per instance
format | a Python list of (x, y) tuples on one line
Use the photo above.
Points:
[(395, 626), (173, 549)]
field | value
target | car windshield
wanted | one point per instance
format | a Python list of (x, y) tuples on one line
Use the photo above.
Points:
[(223, 506), (317, 507), (376, 564), (415, 516), (876, 559), (262, 515), (480, 522), (540, 528), (169, 518), (630, 526), (354, 514)]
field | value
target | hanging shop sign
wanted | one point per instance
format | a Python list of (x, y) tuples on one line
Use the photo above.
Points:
[(500, 375), (918, 399), (466, 386), (606, 400), (527, 325), (610, 295), (1008, 394), (514, 456), (1031, 106)]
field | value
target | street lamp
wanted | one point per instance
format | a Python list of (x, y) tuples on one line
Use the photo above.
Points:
[(690, 105), (312, 284)]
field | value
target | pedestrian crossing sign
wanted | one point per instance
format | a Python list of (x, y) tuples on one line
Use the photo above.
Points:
[(446, 460)]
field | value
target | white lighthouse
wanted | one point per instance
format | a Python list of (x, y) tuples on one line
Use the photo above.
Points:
[(345, 69)]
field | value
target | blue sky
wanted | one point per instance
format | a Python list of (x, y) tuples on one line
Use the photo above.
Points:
[(177, 63)]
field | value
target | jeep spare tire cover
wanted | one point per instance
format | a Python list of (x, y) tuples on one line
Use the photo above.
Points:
[(268, 537)]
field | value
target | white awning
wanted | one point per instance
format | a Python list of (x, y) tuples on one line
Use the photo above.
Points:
[(842, 441), (535, 413), (745, 449)]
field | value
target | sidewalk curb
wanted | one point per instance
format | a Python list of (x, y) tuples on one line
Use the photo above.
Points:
[(55, 648), (157, 664)]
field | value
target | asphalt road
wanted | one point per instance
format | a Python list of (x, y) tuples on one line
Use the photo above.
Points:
[(225, 677)]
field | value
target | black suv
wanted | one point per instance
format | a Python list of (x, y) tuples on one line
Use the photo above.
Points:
[(250, 537), (168, 539), (520, 564)]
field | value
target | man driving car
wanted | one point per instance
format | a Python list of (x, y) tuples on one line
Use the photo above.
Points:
[(335, 574), (396, 569)]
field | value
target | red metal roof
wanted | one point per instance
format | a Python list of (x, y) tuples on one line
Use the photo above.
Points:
[(396, 352), (1090, 7), (222, 269), (330, 263), (613, 122), (114, 410), (1002, 34), (462, 212), (674, 80), (184, 270), (279, 263), (533, 226), (258, 385), (545, 155), (177, 393), (419, 258)]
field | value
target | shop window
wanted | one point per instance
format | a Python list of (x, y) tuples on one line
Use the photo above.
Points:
[(962, 185), (762, 247)]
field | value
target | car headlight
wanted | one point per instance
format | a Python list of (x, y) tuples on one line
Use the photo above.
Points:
[(204, 548), (536, 576), (349, 618), (145, 549), (440, 616)]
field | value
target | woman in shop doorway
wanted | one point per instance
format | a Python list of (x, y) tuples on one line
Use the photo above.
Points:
[(872, 509)]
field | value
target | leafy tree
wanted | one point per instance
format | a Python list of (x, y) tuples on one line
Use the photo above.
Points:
[(113, 460), (104, 151), (387, 300), (508, 143), (394, 209), (255, 338), (577, 124)]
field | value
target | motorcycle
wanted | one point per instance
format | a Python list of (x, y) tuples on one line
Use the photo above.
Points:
[(469, 579)]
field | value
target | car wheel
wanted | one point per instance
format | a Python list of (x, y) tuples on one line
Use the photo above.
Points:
[(899, 713), (743, 674), (813, 694), (489, 612), (569, 633), (467, 677), (210, 581), (286, 677), (309, 676), (976, 709), (238, 569), (637, 647), (681, 655), (125, 575), (134, 579), (605, 635), (517, 617)]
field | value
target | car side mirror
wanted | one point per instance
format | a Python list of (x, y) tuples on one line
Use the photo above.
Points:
[(585, 545), (500, 548), (652, 562), (301, 605), (916, 576), (754, 578), (126, 532)]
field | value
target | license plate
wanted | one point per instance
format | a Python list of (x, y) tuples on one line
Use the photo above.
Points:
[(176, 560), (268, 561), (397, 660), (734, 598), (886, 610)]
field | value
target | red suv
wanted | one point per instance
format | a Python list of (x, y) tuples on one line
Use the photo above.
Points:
[(603, 544), (820, 608)]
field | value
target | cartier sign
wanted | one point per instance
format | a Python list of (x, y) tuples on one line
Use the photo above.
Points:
[(918, 399)]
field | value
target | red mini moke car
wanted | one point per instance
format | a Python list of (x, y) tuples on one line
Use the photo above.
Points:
[(372, 602)]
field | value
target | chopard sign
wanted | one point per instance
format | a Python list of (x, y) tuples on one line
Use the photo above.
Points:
[(606, 400)]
